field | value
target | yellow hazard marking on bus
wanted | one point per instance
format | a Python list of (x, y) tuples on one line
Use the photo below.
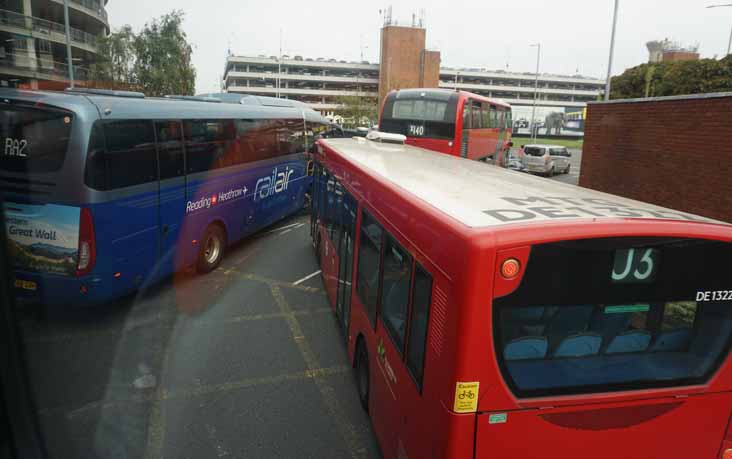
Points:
[(466, 397)]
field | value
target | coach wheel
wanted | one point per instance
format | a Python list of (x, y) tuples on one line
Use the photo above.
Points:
[(211, 250), (362, 374)]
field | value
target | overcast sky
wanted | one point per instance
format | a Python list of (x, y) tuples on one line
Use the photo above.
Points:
[(574, 34)]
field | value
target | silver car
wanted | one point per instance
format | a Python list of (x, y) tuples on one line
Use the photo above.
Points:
[(546, 159)]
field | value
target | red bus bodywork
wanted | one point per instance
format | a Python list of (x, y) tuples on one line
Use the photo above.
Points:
[(480, 127), (463, 257)]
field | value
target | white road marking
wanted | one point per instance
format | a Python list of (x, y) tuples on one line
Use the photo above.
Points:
[(282, 228), (300, 281)]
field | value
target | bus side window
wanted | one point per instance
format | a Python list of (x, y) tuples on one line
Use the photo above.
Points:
[(466, 115), (486, 115), (421, 299), (494, 117), (95, 175), (369, 264), (208, 142), (170, 148), (477, 118), (130, 158), (396, 277)]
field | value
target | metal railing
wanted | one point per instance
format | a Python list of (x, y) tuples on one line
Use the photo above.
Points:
[(44, 26), (94, 5), (44, 66)]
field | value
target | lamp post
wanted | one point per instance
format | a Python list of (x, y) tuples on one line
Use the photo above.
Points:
[(729, 43), (536, 92), (612, 51), (68, 43)]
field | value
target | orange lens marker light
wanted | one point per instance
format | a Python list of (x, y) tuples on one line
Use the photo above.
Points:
[(727, 454), (510, 268)]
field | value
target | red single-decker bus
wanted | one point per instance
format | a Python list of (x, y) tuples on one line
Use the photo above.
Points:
[(489, 313), (458, 123)]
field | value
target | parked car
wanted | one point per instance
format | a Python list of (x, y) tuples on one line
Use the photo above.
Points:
[(546, 159)]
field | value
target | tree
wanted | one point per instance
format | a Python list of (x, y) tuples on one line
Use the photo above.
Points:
[(358, 110), (674, 78), (156, 61), (117, 56), (163, 64)]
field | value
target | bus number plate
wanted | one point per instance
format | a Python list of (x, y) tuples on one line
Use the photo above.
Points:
[(416, 130)]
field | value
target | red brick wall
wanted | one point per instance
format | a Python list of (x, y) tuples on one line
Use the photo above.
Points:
[(404, 61), (674, 151)]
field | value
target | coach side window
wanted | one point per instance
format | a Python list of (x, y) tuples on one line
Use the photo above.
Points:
[(421, 299), (130, 157), (208, 142), (397, 275), (369, 264), (170, 148)]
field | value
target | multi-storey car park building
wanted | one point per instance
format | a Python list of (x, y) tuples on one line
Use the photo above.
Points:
[(320, 82), (33, 41)]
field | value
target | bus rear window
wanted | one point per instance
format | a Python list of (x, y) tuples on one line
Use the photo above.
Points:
[(614, 314), (33, 140), (420, 109)]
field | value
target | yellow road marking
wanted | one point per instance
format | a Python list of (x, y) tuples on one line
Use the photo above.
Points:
[(198, 391), (346, 429), (159, 320)]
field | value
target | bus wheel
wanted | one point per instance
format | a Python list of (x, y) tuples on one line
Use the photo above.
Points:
[(211, 250), (362, 374)]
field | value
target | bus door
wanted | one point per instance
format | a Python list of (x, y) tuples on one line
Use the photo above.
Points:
[(330, 233), (500, 123), (345, 258), (172, 193)]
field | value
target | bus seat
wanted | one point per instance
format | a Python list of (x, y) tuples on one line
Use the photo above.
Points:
[(580, 345), (630, 341), (610, 325), (567, 320), (528, 347), (674, 340)]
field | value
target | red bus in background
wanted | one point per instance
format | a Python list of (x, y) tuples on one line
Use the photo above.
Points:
[(542, 321), (458, 123)]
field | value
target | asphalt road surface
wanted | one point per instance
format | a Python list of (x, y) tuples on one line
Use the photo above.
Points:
[(242, 362), (246, 361)]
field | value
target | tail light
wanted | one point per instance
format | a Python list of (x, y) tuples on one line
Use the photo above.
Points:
[(726, 450), (87, 244)]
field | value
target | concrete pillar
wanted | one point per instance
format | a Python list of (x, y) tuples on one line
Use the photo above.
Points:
[(247, 68), (26, 55), (247, 83)]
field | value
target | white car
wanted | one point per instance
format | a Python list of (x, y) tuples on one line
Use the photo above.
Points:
[(546, 159)]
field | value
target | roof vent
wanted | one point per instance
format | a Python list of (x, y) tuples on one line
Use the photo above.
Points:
[(106, 92), (194, 98), (386, 137)]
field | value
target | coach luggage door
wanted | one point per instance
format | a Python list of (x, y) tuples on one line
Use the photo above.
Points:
[(172, 194)]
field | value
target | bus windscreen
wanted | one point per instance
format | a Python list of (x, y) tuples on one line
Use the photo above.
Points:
[(616, 314), (33, 140)]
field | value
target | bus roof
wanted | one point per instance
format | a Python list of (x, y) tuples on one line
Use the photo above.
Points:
[(121, 107), (414, 92), (479, 195)]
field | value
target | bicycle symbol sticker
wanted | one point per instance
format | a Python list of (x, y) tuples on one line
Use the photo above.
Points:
[(466, 397)]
